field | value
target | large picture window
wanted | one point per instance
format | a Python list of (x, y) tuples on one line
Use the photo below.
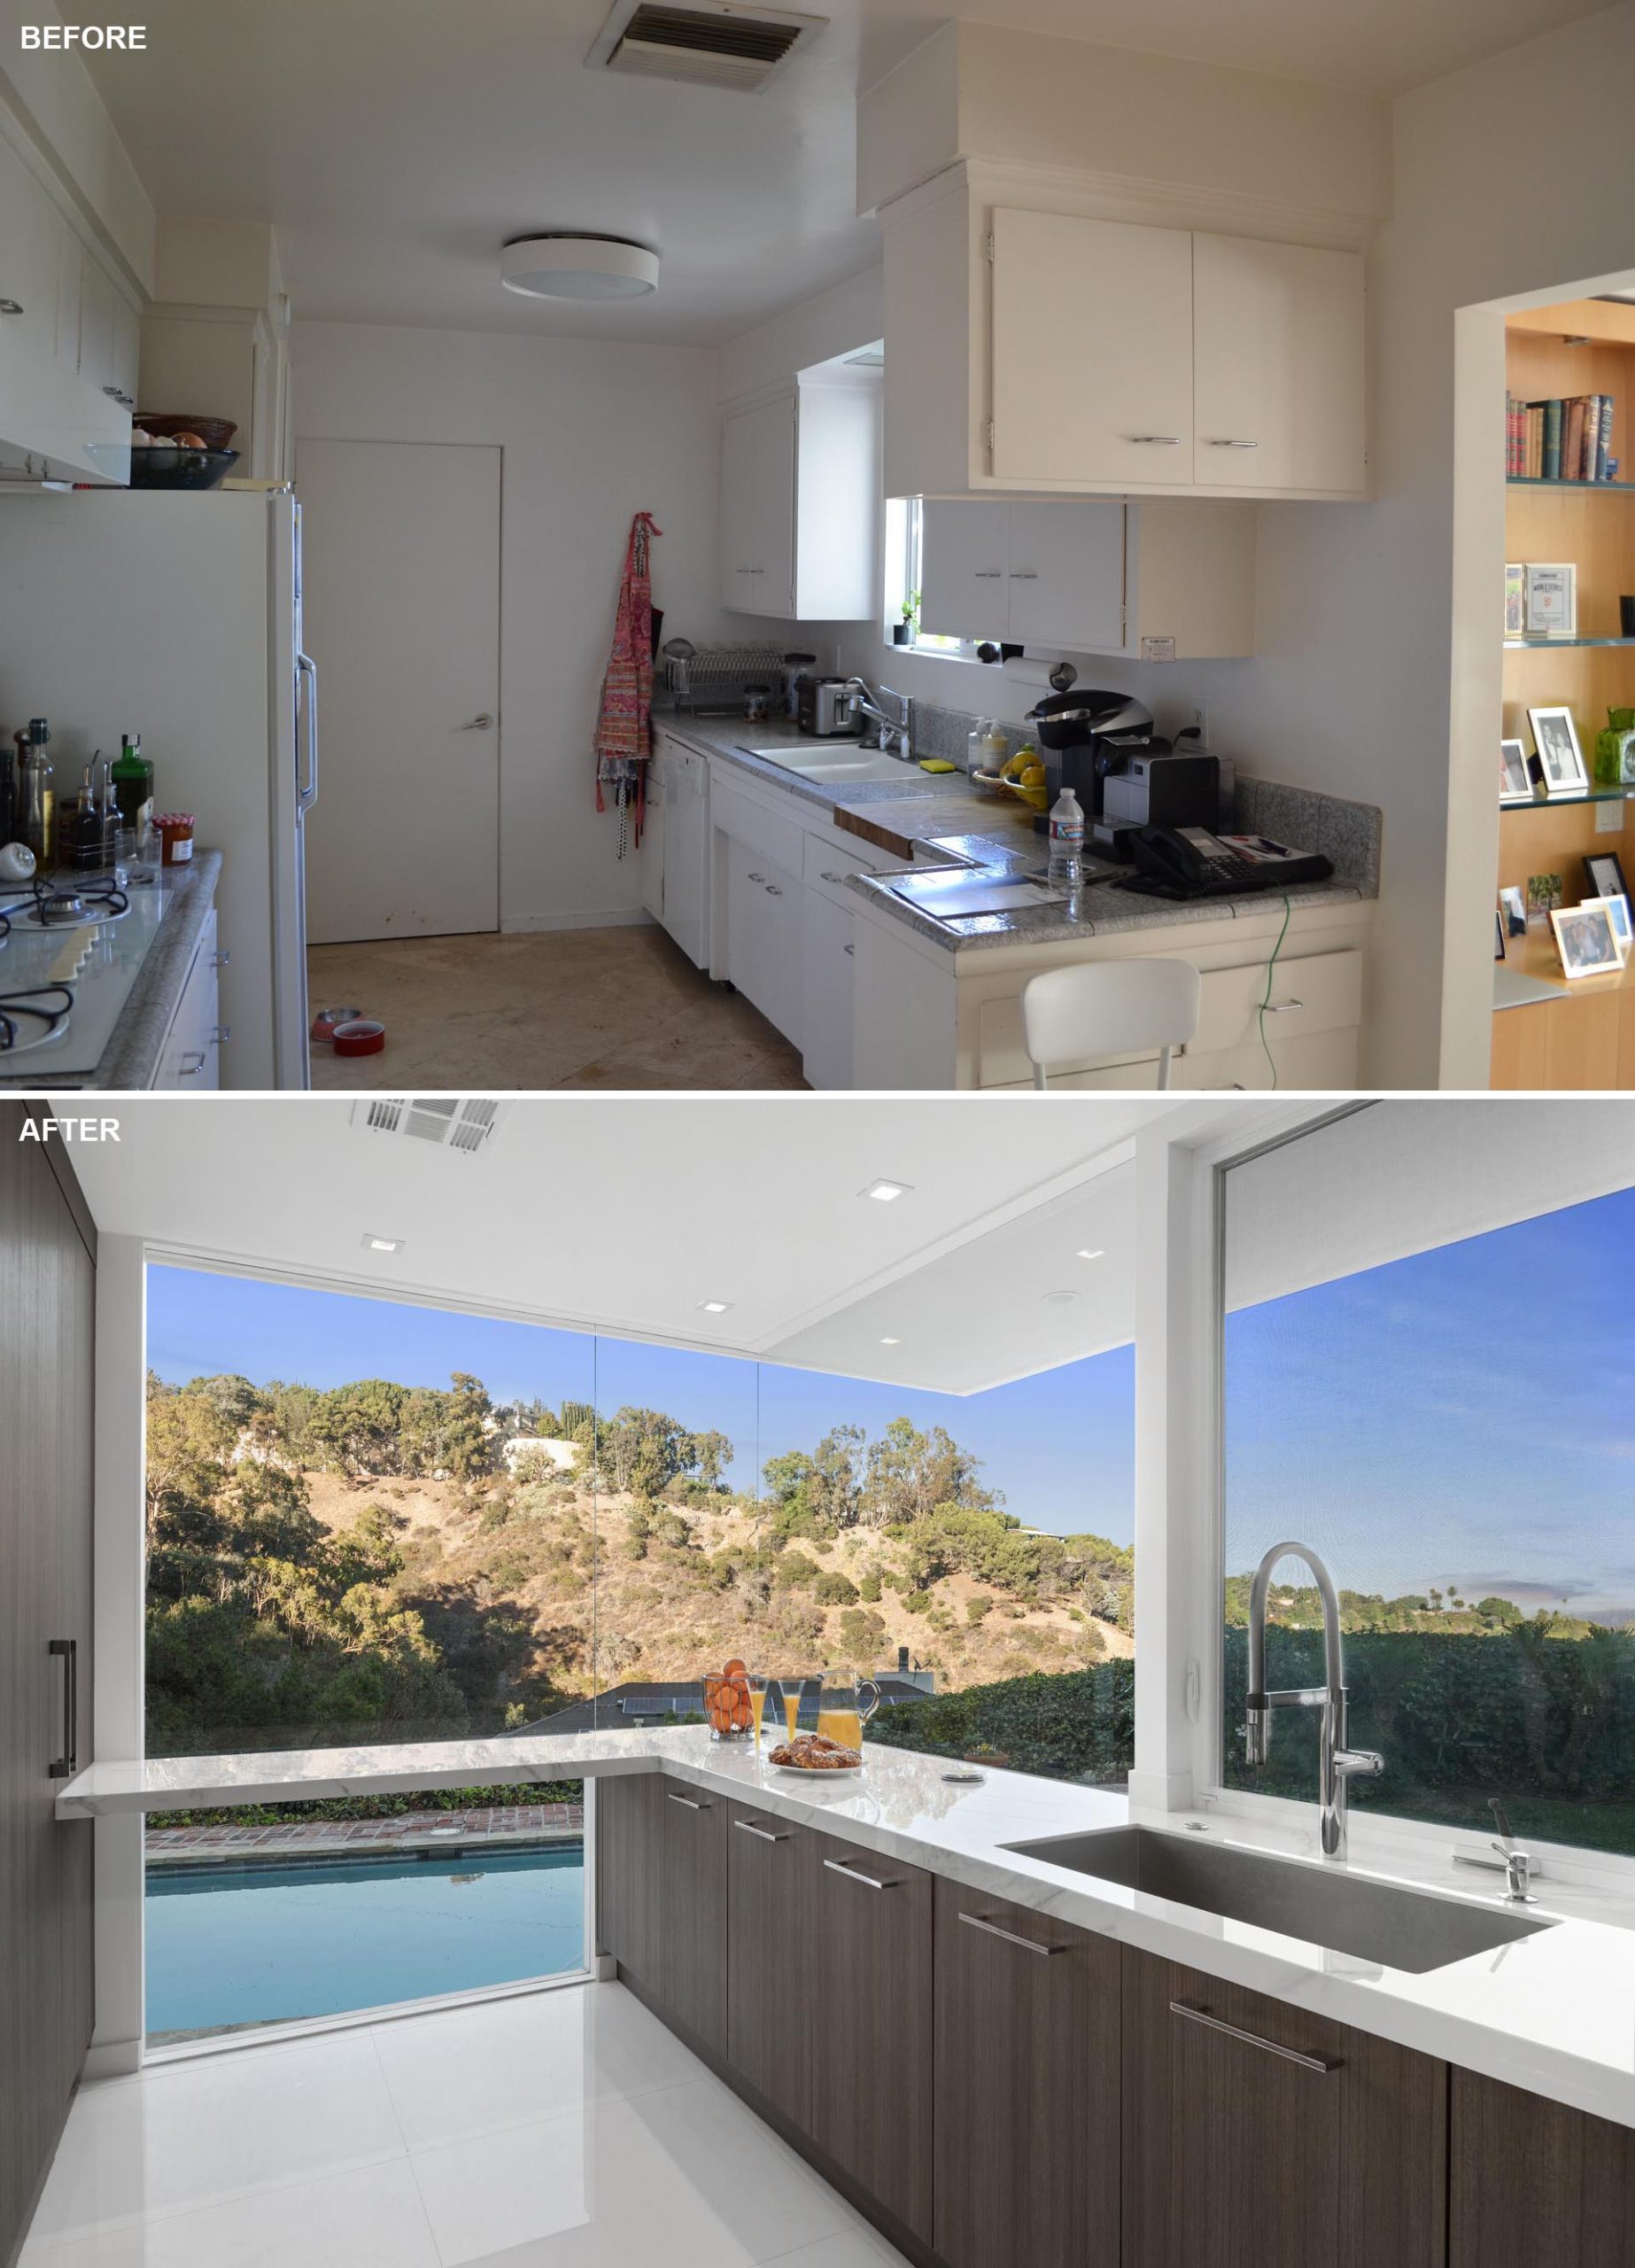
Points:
[(1429, 1377)]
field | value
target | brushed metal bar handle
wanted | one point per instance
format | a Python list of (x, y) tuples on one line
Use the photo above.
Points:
[(851, 949), (762, 1834), (1156, 440), (67, 1650), (757, 878), (1231, 445), (773, 890), (993, 1930), (1321, 2064), (1282, 1007), (988, 575), (691, 1802), (1024, 574), (869, 1882), (828, 877)]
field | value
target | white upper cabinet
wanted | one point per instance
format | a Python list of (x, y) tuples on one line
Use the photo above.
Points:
[(1278, 342), (1092, 355), (1066, 573), (800, 505), (965, 568), (1060, 352)]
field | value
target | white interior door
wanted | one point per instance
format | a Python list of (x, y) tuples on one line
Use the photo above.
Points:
[(401, 553)]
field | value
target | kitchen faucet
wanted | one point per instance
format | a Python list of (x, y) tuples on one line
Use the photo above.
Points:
[(1339, 1764), (1518, 1863), (861, 703)]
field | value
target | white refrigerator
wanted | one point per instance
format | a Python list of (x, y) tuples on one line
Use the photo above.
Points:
[(179, 617)]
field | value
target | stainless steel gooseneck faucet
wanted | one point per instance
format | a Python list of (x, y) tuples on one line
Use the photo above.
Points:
[(1339, 1763)]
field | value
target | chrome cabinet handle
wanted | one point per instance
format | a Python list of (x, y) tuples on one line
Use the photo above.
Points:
[(220, 960), (10, 306), (691, 1802), (1282, 1007), (1156, 440), (762, 1834), (986, 575), (851, 949), (67, 1650), (756, 878), (307, 796), (828, 877), (993, 1930), (869, 1882), (1231, 445), (221, 1032), (1321, 2064), (1024, 574), (479, 724), (192, 1064), (773, 890)]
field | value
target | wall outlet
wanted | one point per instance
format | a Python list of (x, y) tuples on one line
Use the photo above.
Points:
[(1200, 717), (1610, 819)]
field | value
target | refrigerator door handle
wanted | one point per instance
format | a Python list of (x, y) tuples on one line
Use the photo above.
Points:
[(307, 796)]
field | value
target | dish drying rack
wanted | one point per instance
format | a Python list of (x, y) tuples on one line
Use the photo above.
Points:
[(711, 681)]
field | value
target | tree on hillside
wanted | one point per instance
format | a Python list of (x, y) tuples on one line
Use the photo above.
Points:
[(640, 1452), (818, 1494), (908, 1474)]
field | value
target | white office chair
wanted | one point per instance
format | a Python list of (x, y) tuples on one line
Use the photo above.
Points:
[(1109, 1008)]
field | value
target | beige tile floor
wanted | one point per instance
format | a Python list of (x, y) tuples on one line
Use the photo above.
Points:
[(599, 1008)]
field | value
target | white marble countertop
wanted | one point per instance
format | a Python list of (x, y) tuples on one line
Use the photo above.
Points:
[(1553, 2012)]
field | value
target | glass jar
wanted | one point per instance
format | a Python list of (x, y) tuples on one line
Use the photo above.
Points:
[(175, 830)]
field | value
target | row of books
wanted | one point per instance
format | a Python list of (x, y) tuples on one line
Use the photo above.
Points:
[(1558, 440)]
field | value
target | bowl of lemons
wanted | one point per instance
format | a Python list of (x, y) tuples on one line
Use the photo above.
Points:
[(1023, 775)]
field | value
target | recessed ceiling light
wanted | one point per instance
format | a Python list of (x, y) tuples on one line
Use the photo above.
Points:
[(1090, 1255), (578, 267), (886, 1193), (1060, 1298), (714, 1306), (382, 1243), (891, 1342)]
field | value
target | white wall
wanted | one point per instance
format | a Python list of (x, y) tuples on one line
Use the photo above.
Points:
[(592, 433)]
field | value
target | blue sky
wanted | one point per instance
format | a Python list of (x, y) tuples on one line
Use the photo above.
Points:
[(1464, 1416), (1060, 1445)]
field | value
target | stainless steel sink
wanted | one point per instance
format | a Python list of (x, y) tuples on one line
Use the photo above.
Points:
[(838, 765), (1373, 1920)]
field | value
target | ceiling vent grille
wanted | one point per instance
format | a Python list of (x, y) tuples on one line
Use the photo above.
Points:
[(449, 1121), (711, 43)]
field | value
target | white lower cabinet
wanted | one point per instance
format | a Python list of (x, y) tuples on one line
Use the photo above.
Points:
[(764, 936), (652, 853), (826, 1010), (190, 1058)]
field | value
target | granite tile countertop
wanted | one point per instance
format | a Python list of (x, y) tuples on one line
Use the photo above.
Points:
[(1553, 2012), (938, 819), (131, 1057)]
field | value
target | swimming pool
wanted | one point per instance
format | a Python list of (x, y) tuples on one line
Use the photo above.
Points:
[(250, 1943)]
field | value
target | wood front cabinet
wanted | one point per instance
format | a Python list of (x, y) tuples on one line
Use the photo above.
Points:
[(691, 1920), (1027, 2086), (769, 1958), (872, 2028), (47, 1301), (1531, 2182), (630, 1881), (1254, 2133)]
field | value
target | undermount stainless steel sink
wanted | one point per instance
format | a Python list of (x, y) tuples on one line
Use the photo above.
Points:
[(1372, 1921), (839, 763)]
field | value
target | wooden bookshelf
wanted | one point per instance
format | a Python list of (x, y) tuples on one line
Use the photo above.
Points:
[(1586, 1039)]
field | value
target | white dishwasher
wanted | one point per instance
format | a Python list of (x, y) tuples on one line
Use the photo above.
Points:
[(687, 849)]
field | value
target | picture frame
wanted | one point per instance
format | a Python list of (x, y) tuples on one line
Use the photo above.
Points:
[(1617, 912), (1499, 935), (1515, 599), (1603, 875), (1562, 759), (1545, 892), (1513, 906), (1516, 782), (1585, 941), (1551, 602)]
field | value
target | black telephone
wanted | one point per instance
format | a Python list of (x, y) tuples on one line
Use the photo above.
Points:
[(1185, 862)]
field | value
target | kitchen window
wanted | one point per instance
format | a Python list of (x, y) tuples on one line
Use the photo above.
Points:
[(1427, 1345), (905, 521)]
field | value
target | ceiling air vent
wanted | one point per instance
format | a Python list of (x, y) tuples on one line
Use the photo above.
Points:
[(450, 1122), (712, 43)]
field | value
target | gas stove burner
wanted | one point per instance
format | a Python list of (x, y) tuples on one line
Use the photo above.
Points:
[(31, 1018), (81, 905)]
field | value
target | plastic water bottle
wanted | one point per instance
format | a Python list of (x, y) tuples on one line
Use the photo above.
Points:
[(1067, 842)]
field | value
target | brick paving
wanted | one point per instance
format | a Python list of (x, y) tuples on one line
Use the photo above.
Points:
[(406, 1830)]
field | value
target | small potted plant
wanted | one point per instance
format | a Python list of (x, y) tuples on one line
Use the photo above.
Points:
[(902, 633)]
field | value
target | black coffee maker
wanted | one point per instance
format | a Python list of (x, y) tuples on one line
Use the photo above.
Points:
[(1089, 733)]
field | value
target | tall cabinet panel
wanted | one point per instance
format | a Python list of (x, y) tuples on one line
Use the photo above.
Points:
[(47, 1291)]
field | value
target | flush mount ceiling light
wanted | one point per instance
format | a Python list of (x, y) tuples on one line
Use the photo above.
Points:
[(578, 267), (382, 1243), (1089, 1256), (891, 1342), (886, 1193), (1059, 1298), (714, 1306)]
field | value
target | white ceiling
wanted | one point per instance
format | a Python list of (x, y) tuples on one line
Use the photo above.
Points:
[(623, 1215), (396, 143)]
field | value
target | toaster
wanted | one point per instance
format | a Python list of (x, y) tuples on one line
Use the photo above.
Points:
[(822, 708)]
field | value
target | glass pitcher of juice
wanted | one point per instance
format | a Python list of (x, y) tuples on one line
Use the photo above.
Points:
[(844, 1706)]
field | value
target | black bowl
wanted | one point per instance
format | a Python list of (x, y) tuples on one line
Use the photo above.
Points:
[(180, 468)]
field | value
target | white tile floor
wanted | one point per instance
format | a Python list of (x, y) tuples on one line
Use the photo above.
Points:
[(562, 2130)]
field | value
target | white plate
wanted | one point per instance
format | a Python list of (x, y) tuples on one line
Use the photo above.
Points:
[(825, 1772)]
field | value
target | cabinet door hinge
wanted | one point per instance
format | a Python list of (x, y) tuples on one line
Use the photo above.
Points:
[(988, 433), (987, 249)]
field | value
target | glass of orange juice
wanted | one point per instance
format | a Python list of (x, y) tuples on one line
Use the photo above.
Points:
[(791, 1692), (758, 1683)]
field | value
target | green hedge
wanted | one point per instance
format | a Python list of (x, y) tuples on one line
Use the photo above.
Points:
[(1072, 1725), (392, 1807)]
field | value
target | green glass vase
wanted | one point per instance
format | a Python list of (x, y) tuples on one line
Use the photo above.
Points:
[(1609, 749)]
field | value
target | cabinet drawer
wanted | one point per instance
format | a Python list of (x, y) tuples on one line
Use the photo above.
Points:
[(767, 833), (1320, 992), (1001, 1058), (824, 869)]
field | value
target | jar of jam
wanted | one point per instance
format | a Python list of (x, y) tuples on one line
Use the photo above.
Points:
[(175, 830)]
